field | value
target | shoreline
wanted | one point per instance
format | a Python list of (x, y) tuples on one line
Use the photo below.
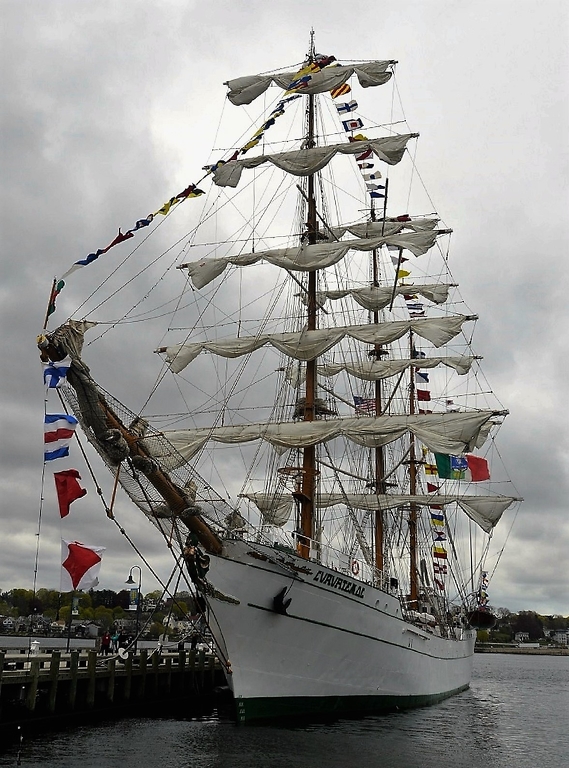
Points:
[(524, 651)]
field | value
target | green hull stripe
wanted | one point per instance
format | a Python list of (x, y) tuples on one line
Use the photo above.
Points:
[(275, 708)]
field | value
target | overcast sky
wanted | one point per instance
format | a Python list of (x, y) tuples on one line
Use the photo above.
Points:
[(108, 109)]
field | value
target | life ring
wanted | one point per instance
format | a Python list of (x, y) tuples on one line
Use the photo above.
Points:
[(355, 567)]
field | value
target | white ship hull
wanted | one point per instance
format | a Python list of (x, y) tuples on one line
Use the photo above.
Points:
[(342, 647)]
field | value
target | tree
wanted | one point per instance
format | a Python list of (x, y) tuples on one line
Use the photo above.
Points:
[(104, 615), (530, 622), (554, 622), (122, 599), (503, 613), (156, 629), (105, 597), (20, 600), (50, 599)]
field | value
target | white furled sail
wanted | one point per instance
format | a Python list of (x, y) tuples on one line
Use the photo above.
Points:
[(306, 162), (385, 227), (441, 432), (373, 370), (375, 298), (306, 257), (307, 345), (486, 511), (244, 90)]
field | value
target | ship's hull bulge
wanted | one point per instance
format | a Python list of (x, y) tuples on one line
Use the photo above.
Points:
[(340, 647)]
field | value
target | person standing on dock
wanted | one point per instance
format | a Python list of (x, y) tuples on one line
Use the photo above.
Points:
[(106, 643)]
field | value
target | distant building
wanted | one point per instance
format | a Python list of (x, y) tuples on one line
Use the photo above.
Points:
[(560, 636), (125, 625), (521, 637), (8, 624)]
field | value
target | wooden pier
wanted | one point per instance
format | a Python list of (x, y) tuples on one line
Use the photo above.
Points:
[(44, 687)]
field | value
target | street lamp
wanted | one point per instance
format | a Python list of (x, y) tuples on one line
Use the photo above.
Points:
[(131, 581)]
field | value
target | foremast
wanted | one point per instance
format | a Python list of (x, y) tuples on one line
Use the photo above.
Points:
[(309, 453)]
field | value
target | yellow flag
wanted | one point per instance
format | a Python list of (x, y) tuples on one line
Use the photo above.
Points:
[(250, 144), (401, 273), (166, 207)]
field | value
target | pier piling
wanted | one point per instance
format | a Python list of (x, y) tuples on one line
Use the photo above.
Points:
[(38, 687)]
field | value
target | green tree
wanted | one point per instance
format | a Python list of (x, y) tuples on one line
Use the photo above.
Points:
[(530, 622), (104, 615), (554, 622), (20, 599), (50, 598), (155, 630), (6, 609), (104, 597), (180, 609)]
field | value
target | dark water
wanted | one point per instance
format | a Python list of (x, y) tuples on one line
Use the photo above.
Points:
[(516, 715)]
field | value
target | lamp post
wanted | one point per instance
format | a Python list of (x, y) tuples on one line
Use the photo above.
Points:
[(131, 581)]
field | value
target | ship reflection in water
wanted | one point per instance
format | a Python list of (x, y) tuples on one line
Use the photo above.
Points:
[(514, 713)]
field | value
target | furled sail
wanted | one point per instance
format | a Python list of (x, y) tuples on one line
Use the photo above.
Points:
[(374, 370), (305, 162), (440, 432), (307, 345), (385, 226), (244, 90), (486, 511), (375, 298), (307, 258)]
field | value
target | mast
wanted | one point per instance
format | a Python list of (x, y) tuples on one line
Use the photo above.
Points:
[(379, 463), (413, 508), (309, 453)]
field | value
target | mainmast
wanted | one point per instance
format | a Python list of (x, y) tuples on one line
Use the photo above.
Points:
[(413, 509), (379, 463), (309, 453)]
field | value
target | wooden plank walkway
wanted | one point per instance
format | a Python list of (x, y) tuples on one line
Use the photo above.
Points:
[(57, 683)]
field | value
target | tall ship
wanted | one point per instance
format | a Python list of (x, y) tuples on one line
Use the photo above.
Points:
[(316, 447)]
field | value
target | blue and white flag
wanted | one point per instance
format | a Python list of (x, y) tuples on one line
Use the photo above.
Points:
[(352, 125), (379, 194), (55, 373), (372, 176), (421, 377), (58, 431), (372, 185), (349, 106)]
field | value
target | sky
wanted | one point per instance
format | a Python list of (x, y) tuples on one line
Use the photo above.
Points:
[(109, 108)]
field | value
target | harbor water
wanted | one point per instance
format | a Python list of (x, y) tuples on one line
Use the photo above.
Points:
[(515, 715)]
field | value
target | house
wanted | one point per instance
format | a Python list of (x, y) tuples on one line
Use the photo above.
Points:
[(560, 636), (125, 625), (8, 624), (521, 637)]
